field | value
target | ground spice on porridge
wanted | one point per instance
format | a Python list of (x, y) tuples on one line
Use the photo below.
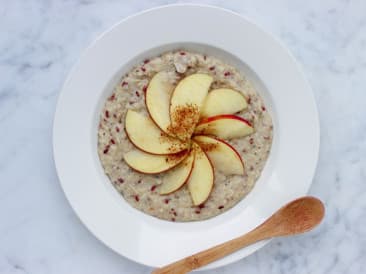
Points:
[(183, 119)]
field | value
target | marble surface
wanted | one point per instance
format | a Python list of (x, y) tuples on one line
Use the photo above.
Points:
[(41, 40)]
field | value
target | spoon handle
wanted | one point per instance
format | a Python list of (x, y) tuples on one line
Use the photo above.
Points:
[(212, 254)]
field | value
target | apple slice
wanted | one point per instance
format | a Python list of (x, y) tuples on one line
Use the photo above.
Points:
[(186, 103), (222, 155), (201, 180), (224, 126), (223, 101), (151, 164), (176, 177), (145, 135), (157, 98)]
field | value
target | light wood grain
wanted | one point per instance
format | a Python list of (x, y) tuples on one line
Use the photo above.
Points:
[(296, 217)]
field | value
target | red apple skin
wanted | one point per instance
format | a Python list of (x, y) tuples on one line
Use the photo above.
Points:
[(213, 181), (236, 152), (147, 109), (230, 146), (213, 178), (180, 160), (189, 175), (128, 137), (148, 112), (203, 127), (224, 116)]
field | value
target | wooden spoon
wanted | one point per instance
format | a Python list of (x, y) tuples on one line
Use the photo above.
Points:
[(298, 216)]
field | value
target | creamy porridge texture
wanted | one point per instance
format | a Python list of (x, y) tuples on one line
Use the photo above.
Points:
[(142, 191)]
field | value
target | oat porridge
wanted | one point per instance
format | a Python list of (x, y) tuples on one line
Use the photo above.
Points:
[(184, 136)]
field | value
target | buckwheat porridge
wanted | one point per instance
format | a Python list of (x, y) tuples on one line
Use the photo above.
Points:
[(195, 147)]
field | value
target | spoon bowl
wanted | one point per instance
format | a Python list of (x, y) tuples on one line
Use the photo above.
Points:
[(298, 216)]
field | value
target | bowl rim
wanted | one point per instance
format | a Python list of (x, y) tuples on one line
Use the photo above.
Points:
[(56, 133)]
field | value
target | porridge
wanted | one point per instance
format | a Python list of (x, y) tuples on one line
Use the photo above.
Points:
[(184, 136)]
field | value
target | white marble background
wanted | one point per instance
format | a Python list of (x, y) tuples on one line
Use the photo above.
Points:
[(41, 40)]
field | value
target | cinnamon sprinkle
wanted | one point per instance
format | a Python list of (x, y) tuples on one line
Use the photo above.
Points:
[(184, 120), (207, 147), (174, 146)]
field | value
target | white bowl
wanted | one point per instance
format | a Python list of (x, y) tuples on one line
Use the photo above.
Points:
[(271, 68)]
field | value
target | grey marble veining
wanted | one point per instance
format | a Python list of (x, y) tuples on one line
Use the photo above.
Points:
[(41, 40)]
